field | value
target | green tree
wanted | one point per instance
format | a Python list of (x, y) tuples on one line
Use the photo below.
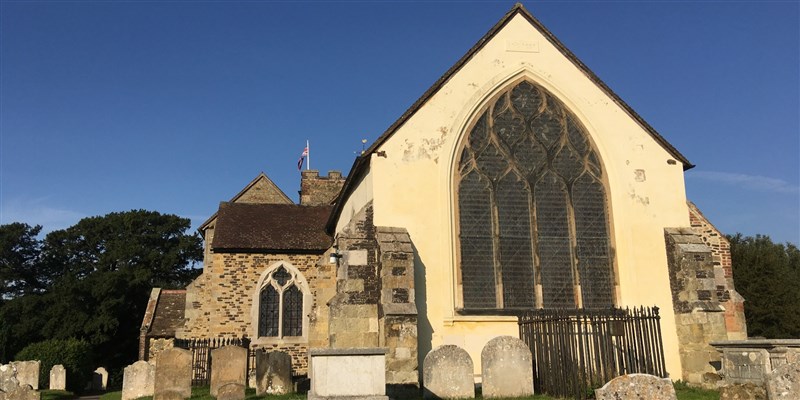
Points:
[(767, 274), (19, 260), (98, 275)]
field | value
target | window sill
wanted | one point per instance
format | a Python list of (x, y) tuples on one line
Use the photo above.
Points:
[(279, 341)]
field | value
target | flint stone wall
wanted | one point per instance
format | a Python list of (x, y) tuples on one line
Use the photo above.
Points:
[(138, 380), (273, 373), (506, 368), (58, 378), (783, 383), (173, 375), (637, 386), (228, 367), (447, 373)]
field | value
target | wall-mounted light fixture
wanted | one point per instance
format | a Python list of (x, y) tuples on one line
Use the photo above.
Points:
[(335, 255)]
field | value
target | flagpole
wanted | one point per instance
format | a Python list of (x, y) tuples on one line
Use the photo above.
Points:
[(308, 157)]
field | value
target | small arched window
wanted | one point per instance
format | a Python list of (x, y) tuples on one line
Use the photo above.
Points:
[(532, 209), (281, 304)]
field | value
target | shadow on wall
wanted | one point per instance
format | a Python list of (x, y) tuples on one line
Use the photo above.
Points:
[(424, 327)]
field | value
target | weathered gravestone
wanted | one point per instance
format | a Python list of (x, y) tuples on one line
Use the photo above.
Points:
[(273, 372), (10, 387), (783, 383), (447, 373), (742, 391), (138, 380), (58, 378), (99, 379), (28, 373), (228, 371), (173, 379), (637, 386), (746, 365), (506, 368)]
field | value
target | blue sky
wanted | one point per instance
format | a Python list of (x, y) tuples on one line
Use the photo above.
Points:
[(175, 106)]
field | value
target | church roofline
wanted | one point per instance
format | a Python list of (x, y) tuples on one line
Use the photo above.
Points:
[(241, 193), (362, 161)]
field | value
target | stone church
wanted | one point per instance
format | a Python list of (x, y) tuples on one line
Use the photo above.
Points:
[(519, 180)]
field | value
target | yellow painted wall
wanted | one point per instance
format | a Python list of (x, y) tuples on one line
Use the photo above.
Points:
[(412, 186)]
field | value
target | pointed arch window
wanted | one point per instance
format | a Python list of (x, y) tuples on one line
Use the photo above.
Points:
[(281, 303), (532, 208)]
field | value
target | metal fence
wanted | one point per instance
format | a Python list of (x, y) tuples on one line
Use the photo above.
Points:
[(575, 351), (201, 355)]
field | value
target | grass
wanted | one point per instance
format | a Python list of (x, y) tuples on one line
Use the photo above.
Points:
[(683, 391), (57, 395)]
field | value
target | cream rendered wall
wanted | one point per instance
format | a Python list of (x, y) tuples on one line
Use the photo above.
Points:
[(360, 196), (412, 187)]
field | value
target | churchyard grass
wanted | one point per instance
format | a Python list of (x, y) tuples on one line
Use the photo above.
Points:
[(683, 391), (57, 395)]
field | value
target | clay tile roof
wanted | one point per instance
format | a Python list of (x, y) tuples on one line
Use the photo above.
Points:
[(265, 227), (169, 313)]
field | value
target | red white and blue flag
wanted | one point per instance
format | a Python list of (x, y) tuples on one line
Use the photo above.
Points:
[(302, 158)]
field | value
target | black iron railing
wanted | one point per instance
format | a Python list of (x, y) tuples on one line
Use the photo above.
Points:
[(575, 351), (201, 355)]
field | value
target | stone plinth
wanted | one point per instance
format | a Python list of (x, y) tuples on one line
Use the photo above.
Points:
[(354, 373), (637, 386), (752, 360), (137, 380)]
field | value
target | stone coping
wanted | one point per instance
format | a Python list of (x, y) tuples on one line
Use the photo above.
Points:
[(350, 351), (756, 344)]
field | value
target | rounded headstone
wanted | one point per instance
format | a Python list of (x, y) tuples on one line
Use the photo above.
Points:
[(137, 380), (273, 373), (228, 366), (506, 368), (58, 378), (447, 373)]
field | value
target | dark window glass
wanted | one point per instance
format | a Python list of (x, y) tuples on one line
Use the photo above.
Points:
[(268, 311), (531, 203), (292, 311)]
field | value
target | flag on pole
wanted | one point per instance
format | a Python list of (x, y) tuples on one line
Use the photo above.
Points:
[(302, 158)]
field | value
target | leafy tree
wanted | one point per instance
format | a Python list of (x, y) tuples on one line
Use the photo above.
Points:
[(75, 355), (767, 274), (19, 257), (96, 278)]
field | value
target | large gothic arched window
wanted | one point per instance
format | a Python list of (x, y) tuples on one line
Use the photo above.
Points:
[(280, 303), (532, 209)]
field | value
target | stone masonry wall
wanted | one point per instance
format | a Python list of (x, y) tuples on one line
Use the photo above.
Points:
[(318, 190), (698, 312), (731, 300), (374, 305)]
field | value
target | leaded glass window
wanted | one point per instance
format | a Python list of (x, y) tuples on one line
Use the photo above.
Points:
[(280, 308), (532, 208)]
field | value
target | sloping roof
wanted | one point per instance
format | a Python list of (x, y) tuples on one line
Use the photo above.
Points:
[(265, 227), (361, 163), (169, 313), (261, 183)]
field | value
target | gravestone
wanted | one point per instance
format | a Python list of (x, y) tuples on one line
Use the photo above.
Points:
[(746, 365), (137, 380), (506, 368), (27, 373), (173, 376), (273, 372), (447, 373), (783, 383), (58, 378), (10, 387), (99, 379), (742, 391), (229, 369), (637, 386)]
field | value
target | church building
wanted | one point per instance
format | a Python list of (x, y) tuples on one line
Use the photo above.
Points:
[(519, 180)]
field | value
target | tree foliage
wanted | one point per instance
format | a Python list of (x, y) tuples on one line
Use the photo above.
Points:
[(767, 274), (92, 280), (75, 355)]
